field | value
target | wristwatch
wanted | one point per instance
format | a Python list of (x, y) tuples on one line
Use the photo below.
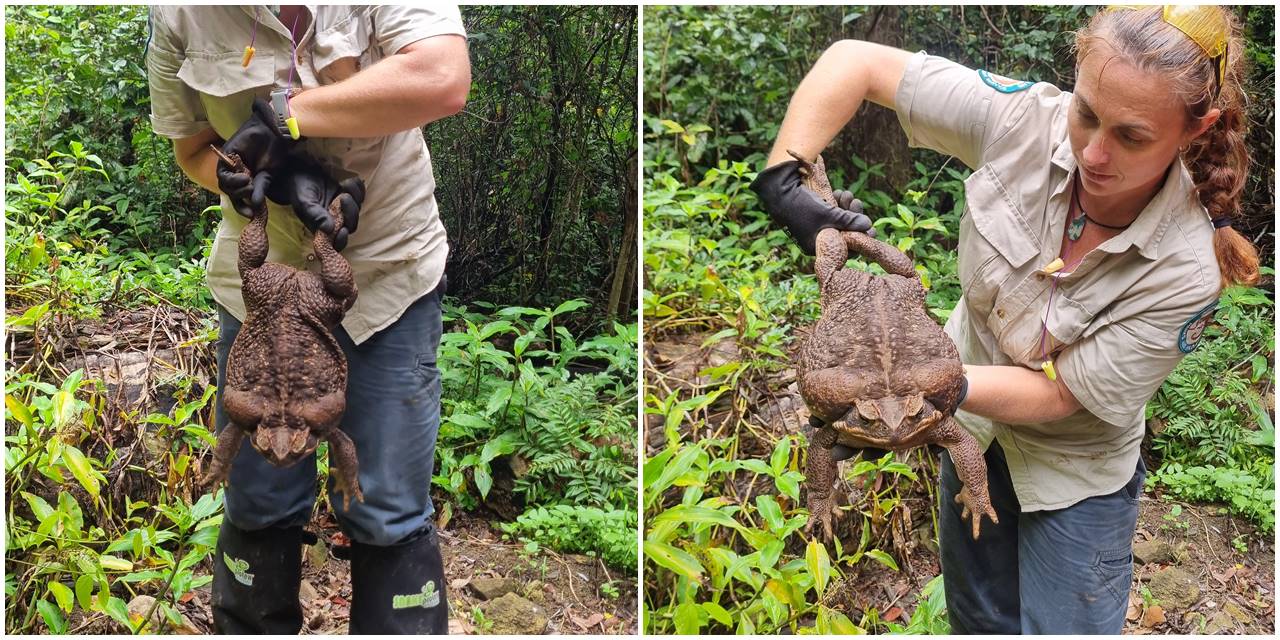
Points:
[(280, 105)]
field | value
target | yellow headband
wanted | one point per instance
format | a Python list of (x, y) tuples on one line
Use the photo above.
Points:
[(1204, 24)]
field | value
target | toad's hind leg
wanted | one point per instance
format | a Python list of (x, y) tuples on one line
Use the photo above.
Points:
[(887, 256), (971, 468), (342, 453), (830, 393), (335, 271), (831, 253), (939, 380)]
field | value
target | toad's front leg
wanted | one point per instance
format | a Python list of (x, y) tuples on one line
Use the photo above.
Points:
[(819, 478), (346, 467), (224, 452)]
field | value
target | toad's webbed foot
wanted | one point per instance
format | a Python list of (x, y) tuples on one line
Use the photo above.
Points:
[(976, 503)]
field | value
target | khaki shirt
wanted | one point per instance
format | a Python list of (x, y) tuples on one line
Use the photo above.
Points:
[(197, 82), (1117, 320)]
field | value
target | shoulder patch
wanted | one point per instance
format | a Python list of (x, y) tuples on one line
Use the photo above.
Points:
[(1193, 328), (1003, 84)]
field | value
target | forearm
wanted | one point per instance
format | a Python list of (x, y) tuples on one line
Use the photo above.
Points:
[(423, 83), (197, 160), (824, 102), (849, 72), (1017, 395)]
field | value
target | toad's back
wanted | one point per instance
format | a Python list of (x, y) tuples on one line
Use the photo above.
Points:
[(878, 324), (283, 350)]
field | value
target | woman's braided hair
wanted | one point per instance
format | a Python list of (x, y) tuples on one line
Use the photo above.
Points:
[(1218, 160)]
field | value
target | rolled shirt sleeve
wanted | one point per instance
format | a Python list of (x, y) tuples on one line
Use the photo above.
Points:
[(396, 26), (1114, 372), (176, 110), (952, 109)]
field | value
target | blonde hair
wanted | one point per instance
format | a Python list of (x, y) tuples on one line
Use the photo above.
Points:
[(1218, 160)]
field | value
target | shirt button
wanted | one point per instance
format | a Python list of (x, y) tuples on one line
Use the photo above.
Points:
[(1040, 276), (1000, 313), (311, 257)]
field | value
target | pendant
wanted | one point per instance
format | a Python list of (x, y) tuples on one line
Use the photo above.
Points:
[(1077, 228)]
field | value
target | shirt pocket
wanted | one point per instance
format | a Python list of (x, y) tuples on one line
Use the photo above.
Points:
[(226, 87), (342, 50), (996, 242), (339, 52), (1039, 332)]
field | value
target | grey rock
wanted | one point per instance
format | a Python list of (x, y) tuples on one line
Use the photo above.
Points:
[(513, 615), (493, 588), (1174, 588)]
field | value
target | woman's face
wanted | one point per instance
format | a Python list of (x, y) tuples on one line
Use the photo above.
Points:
[(1125, 126)]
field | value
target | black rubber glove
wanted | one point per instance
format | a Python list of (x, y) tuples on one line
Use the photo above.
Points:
[(264, 151), (309, 190), (801, 211)]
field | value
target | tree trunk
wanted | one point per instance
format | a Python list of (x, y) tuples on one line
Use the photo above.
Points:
[(622, 268)]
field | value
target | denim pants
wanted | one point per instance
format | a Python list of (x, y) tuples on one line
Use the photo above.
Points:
[(392, 416), (1065, 571)]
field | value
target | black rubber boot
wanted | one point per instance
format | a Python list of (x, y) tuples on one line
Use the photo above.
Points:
[(256, 575), (399, 589)]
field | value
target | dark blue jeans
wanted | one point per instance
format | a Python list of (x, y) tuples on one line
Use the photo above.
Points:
[(393, 416), (1065, 571)]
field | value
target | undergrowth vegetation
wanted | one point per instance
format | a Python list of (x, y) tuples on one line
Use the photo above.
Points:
[(109, 358), (727, 296)]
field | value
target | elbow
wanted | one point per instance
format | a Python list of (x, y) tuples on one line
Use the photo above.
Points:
[(452, 97), (1067, 404), (845, 50)]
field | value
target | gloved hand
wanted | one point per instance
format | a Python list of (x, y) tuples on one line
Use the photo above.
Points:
[(309, 190), (800, 210), (263, 151)]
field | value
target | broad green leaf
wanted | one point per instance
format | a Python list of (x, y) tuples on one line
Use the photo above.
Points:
[(484, 481), (697, 515), (788, 485), (18, 409), (115, 564), (84, 591), (679, 466), (64, 596), (676, 560), (689, 618), (769, 510), (672, 126), (819, 564), (81, 469), (56, 622), (756, 466), (718, 613), (39, 507), (883, 558), (842, 625), (118, 610), (781, 455)]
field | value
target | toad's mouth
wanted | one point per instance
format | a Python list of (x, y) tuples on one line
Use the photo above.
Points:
[(890, 421), (284, 445)]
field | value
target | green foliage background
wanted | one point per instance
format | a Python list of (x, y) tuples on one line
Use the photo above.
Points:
[(106, 237), (723, 514)]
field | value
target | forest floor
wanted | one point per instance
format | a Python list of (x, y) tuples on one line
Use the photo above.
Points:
[(1196, 570), (552, 593)]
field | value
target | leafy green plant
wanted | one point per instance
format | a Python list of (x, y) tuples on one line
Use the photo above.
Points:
[(76, 548), (609, 535)]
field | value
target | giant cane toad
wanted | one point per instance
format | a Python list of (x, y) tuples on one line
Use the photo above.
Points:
[(286, 374), (877, 371)]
